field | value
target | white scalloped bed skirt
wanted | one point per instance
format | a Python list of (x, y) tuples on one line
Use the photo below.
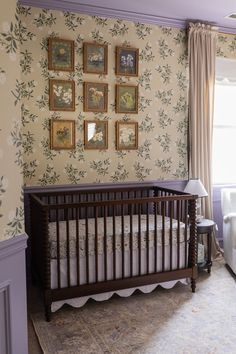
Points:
[(80, 301)]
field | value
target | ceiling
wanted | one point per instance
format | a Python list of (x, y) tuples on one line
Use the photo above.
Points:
[(176, 13)]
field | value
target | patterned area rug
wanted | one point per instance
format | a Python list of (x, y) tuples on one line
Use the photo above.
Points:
[(171, 321)]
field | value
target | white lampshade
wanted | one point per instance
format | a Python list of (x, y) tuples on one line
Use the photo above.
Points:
[(195, 187)]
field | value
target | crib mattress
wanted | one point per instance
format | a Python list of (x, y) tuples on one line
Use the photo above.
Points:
[(139, 234)]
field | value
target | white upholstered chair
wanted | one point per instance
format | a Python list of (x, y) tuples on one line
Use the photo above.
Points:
[(228, 206)]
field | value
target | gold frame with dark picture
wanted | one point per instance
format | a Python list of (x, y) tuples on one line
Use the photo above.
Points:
[(62, 134), (127, 61), (61, 54), (95, 58), (95, 97), (96, 134), (61, 95), (126, 135), (127, 99)]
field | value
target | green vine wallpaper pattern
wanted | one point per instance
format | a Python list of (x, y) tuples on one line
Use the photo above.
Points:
[(162, 117), (12, 35)]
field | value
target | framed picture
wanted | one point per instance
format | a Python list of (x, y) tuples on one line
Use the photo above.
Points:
[(95, 97), (126, 99), (60, 54), (127, 61), (61, 95), (126, 135), (95, 58), (62, 134), (95, 134)]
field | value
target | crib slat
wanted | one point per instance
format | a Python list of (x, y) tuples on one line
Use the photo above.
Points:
[(77, 246), (87, 245), (171, 232), (96, 242), (186, 232), (139, 239), (155, 237), (68, 247), (123, 240), (163, 207), (178, 234), (105, 243), (58, 249), (114, 241), (147, 237), (131, 240)]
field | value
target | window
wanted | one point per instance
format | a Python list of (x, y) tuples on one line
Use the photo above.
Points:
[(224, 125)]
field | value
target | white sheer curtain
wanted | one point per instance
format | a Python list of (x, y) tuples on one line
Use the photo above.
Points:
[(202, 55)]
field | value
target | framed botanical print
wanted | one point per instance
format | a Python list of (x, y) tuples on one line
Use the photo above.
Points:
[(61, 95), (95, 58), (95, 134), (126, 135), (60, 54), (126, 99), (62, 134), (95, 97), (127, 60)]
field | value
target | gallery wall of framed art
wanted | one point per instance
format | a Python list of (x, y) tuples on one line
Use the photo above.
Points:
[(61, 57)]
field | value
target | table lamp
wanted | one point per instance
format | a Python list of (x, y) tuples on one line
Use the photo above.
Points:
[(195, 187)]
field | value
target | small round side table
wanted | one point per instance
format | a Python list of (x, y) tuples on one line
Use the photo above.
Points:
[(206, 227)]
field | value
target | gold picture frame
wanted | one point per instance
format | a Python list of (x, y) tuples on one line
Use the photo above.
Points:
[(61, 54), (61, 95), (95, 58), (95, 97), (126, 99), (127, 61), (95, 134), (126, 135), (62, 134)]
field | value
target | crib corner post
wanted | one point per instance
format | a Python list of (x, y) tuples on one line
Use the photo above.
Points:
[(193, 278), (48, 313), (193, 285), (47, 304), (193, 242), (193, 232)]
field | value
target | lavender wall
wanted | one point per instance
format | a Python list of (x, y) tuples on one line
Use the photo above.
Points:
[(13, 309)]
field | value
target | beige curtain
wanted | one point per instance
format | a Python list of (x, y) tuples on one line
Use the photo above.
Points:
[(202, 54)]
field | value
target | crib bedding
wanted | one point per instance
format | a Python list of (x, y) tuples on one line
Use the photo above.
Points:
[(80, 301), (174, 231)]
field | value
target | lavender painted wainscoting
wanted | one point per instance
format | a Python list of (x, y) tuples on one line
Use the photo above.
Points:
[(13, 309)]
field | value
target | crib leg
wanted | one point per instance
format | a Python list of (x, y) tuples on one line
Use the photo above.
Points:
[(193, 284), (48, 313)]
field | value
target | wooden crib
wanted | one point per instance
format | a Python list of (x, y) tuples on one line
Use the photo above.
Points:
[(86, 242)]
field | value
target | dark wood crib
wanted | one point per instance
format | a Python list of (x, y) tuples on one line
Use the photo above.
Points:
[(109, 239)]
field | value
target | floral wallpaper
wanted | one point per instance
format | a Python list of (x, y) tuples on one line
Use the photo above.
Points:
[(226, 46), (12, 35), (162, 108)]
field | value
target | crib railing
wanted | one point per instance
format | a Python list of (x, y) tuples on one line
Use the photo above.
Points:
[(133, 254)]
